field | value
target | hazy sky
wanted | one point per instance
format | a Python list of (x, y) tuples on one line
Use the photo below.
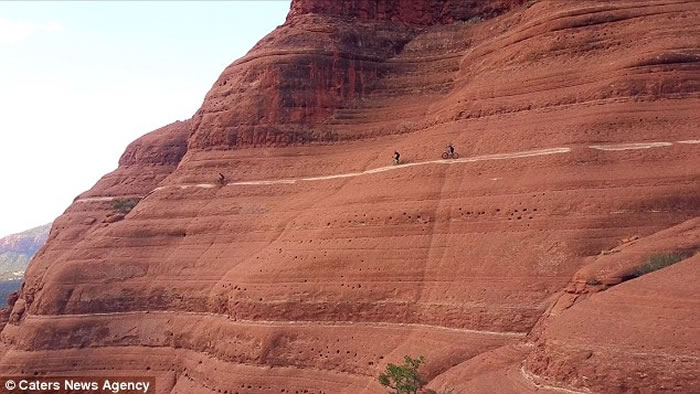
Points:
[(80, 80)]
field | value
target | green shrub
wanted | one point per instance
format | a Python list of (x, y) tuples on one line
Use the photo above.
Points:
[(445, 391), (658, 261), (403, 379), (474, 20), (124, 205)]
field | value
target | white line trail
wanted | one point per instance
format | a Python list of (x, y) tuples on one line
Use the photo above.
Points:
[(496, 156), (633, 146), (280, 323), (200, 185), (110, 198)]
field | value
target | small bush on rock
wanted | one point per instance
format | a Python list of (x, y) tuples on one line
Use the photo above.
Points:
[(124, 205), (445, 391), (403, 379), (659, 261)]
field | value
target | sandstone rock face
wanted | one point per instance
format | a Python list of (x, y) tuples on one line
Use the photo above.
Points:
[(315, 263), (145, 163), (329, 56), (421, 12), (165, 146), (641, 332)]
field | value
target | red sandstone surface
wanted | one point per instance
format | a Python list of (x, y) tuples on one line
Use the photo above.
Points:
[(316, 264)]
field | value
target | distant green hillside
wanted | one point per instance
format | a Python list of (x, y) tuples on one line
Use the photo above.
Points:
[(17, 250), (6, 288)]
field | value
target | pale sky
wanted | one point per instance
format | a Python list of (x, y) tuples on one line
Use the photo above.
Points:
[(80, 80)]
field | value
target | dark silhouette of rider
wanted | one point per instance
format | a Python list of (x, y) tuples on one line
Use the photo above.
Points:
[(397, 156), (451, 150), (222, 178)]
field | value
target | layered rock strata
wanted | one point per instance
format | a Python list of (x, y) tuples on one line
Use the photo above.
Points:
[(316, 264)]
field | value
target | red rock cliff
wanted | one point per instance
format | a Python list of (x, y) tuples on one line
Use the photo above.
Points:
[(317, 262), (330, 55), (418, 12)]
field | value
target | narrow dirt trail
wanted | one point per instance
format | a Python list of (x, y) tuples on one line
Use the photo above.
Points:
[(280, 323), (495, 156)]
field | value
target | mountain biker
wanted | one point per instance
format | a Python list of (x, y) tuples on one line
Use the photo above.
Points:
[(397, 156), (451, 150), (221, 179)]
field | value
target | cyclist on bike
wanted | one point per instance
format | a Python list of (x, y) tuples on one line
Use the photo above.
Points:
[(451, 150), (397, 157), (221, 179)]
